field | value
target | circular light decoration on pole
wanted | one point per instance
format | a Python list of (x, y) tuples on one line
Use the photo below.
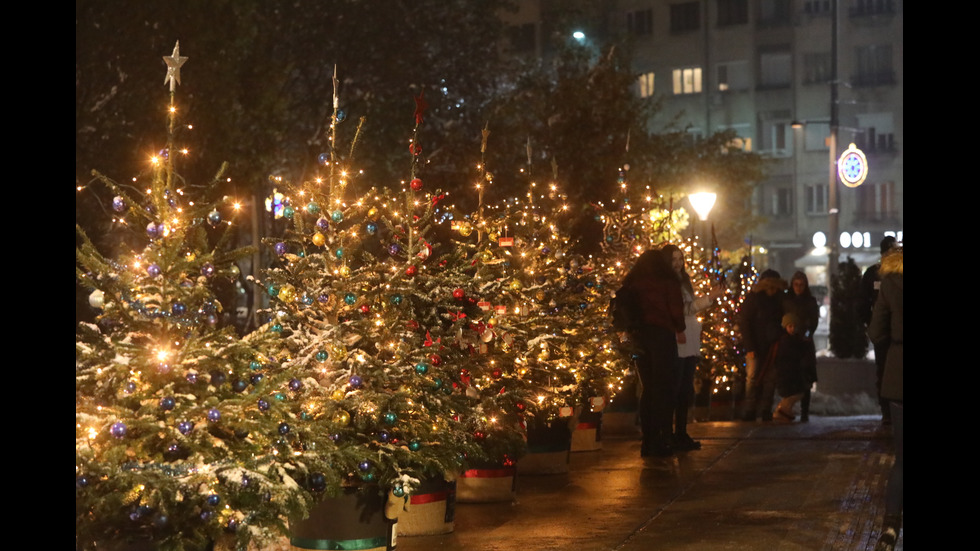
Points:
[(702, 203), (852, 166)]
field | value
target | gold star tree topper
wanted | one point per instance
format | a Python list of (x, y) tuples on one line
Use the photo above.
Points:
[(174, 63)]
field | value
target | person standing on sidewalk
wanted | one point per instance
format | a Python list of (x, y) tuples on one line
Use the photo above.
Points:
[(800, 302), (759, 321), (870, 284), (662, 327), (887, 328), (689, 351)]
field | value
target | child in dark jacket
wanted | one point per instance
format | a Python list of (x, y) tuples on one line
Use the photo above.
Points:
[(788, 363)]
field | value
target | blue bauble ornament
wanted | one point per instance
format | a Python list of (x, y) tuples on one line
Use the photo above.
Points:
[(214, 217), (256, 378), (583, 305), (130, 387), (81, 481), (323, 158), (415, 445), (321, 356), (390, 418), (339, 253), (118, 204), (263, 405), (206, 515), (213, 500), (322, 224), (394, 249), (118, 429), (191, 377), (217, 377), (350, 298), (283, 428), (207, 270), (318, 482), (279, 396), (398, 491), (280, 248), (214, 415), (153, 270), (437, 383), (355, 381), (421, 368), (337, 216), (367, 477), (239, 385), (178, 309), (272, 290), (307, 300), (364, 466), (396, 299), (167, 403), (313, 208), (384, 436), (341, 115), (254, 365), (295, 384), (276, 328), (288, 212), (372, 228)]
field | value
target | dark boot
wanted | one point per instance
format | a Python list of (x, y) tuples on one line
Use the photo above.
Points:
[(889, 533)]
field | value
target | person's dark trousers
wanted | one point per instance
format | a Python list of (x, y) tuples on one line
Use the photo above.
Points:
[(656, 367), (805, 406), (881, 352), (894, 502), (685, 392)]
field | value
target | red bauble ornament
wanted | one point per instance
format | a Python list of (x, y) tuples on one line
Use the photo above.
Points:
[(435, 359), (365, 309), (458, 294), (480, 436), (496, 373), (416, 184), (415, 149), (410, 271), (520, 406)]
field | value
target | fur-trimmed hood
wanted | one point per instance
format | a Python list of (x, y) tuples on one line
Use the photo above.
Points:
[(777, 284), (891, 264)]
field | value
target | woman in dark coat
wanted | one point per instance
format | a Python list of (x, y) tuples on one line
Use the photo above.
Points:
[(799, 301), (888, 327), (659, 295)]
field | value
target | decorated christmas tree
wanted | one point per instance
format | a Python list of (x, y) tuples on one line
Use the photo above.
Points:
[(372, 314), (173, 444)]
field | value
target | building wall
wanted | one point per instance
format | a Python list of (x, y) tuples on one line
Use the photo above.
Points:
[(756, 66)]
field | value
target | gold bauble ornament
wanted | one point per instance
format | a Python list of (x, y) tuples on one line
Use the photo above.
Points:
[(319, 239), (372, 212), (344, 271), (465, 229), (515, 285), (342, 418), (287, 293), (337, 395)]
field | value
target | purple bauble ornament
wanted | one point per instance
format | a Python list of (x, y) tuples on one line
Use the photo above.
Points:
[(214, 415), (207, 269), (394, 249), (153, 230), (153, 270), (355, 381), (322, 224), (118, 429), (280, 248), (118, 204)]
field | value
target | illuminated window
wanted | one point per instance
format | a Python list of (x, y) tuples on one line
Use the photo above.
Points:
[(646, 85), (687, 80)]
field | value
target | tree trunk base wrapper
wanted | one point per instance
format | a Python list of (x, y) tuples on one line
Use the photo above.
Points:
[(588, 433), (430, 510), (494, 484), (548, 450), (354, 520)]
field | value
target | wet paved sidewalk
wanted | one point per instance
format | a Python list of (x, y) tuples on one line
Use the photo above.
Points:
[(753, 486)]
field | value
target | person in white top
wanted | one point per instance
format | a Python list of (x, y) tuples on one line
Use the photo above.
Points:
[(689, 351)]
